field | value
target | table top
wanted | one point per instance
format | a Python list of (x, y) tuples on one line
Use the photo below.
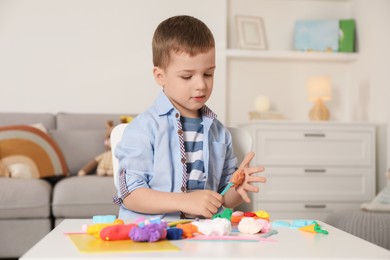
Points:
[(289, 243)]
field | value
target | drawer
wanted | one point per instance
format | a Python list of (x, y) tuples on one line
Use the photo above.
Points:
[(313, 147), (310, 211), (316, 184)]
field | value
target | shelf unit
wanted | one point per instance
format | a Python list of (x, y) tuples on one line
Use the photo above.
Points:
[(279, 72)]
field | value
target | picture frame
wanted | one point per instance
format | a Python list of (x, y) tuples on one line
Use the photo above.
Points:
[(251, 32)]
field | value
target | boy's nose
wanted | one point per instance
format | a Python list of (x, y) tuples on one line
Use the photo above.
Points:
[(201, 83)]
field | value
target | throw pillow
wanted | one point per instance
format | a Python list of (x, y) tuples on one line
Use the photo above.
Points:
[(30, 153), (4, 172), (381, 202)]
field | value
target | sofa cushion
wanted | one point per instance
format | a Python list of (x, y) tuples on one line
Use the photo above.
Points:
[(77, 121), (21, 198), (79, 146), (371, 226), (30, 152), (46, 119), (84, 197)]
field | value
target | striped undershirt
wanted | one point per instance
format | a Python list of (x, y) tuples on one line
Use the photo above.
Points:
[(193, 144)]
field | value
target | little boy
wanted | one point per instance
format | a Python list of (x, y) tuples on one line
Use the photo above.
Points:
[(176, 157)]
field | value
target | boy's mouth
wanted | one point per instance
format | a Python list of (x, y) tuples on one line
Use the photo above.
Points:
[(199, 98)]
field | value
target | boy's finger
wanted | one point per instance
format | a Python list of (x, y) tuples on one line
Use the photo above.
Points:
[(253, 170), (248, 158), (216, 201), (245, 196), (217, 196), (252, 188), (253, 178)]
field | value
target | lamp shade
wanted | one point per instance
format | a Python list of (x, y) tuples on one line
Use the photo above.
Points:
[(319, 88)]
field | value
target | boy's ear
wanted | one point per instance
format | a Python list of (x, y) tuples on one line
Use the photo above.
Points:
[(159, 76)]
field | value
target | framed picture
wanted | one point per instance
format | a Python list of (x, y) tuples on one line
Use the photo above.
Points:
[(251, 33)]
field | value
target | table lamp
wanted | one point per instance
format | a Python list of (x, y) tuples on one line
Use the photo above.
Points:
[(319, 89)]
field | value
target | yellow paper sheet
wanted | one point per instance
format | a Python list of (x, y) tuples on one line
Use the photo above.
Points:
[(88, 244)]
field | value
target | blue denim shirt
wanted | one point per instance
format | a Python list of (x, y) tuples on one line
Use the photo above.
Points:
[(149, 154)]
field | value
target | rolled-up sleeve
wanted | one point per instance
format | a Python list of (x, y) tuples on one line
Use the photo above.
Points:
[(135, 155)]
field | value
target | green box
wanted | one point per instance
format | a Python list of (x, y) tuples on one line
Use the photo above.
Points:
[(347, 35)]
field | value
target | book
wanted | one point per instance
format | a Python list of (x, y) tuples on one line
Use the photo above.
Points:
[(325, 35), (347, 35), (316, 35)]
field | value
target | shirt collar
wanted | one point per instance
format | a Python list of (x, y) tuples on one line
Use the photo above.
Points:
[(164, 106)]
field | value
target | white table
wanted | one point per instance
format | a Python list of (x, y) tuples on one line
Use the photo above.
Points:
[(290, 244)]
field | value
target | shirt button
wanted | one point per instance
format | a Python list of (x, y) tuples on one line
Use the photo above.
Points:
[(177, 115), (180, 132), (183, 160), (183, 189)]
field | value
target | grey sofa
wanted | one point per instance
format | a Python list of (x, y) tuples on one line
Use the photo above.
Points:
[(30, 208), (371, 226)]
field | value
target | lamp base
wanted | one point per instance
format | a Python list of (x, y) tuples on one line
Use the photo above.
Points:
[(319, 112)]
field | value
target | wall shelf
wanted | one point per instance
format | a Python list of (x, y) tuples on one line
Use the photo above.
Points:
[(291, 55)]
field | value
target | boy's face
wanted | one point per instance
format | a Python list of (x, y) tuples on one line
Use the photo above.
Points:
[(188, 81)]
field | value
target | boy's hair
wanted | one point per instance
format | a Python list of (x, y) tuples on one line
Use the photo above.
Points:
[(180, 34)]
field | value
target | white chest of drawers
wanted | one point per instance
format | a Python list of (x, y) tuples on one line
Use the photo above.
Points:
[(313, 169)]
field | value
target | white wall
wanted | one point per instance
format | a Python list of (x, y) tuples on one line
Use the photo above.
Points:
[(95, 56), (90, 55), (373, 88)]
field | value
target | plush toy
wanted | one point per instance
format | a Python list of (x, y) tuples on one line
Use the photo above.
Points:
[(103, 162)]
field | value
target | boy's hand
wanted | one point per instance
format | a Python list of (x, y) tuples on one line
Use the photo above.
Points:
[(201, 203), (249, 177)]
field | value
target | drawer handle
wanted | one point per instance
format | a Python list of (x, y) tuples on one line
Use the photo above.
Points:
[(315, 170), (315, 206), (314, 135)]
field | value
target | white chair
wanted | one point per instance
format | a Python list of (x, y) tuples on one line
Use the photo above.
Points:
[(242, 144), (115, 137)]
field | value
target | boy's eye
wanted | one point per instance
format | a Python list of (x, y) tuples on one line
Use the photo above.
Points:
[(208, 74), (186, 77)]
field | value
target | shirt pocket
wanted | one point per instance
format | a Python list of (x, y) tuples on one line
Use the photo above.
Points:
[(217, 158)]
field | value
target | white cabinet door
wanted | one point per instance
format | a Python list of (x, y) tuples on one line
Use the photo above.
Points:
[(325, 184), (313, 147)]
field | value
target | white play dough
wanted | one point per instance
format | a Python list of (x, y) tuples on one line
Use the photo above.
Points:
[(215, 227)]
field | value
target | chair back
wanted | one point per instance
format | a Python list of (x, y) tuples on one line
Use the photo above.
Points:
[(242, 144), (115, 137)]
